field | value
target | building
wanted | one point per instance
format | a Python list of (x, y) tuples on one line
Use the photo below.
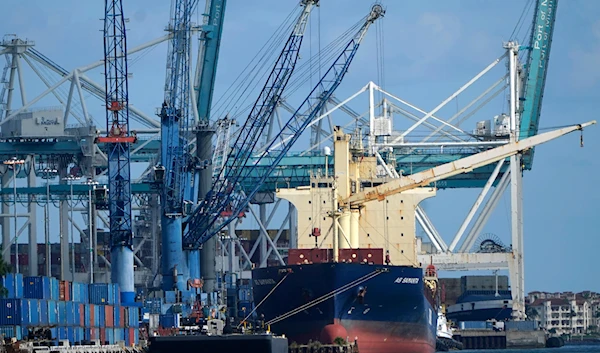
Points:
[(567, 312)]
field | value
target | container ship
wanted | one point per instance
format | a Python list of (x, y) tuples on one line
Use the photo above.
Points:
[(384, 308), (361, 280)]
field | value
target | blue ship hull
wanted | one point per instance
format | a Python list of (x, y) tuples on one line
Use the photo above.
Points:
[(385, 308)]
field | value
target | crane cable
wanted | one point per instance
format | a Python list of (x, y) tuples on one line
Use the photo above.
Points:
[(326, 296)]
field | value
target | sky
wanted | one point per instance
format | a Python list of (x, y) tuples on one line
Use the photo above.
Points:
[(430, 49)]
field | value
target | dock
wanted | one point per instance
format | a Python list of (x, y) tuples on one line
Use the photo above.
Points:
[(490, 339)]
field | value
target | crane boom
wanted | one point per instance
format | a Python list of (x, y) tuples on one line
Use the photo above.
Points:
[(117, 142), (464, 165), (215, 199), (175, 127), (206, 227), (536, 70)]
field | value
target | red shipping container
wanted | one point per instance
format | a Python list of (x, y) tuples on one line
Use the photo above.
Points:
[(308, 256), (92, 317), (63, 291), (81, 315), (93, 334), (102, 335), (122, 316), (370, 256), (109, 316), (131, 337)]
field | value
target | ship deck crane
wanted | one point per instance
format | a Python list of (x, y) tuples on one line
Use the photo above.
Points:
[(175, 157), (203, 224), (118, 140), (464, 165), (214, 193)]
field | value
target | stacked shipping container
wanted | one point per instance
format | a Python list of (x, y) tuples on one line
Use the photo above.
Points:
[(75, 311)]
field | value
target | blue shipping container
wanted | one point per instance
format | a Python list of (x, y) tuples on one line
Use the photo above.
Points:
[(520, 325), (52, 313), (154, 306), (77, 315), (116, 316), (62, 313), (245, 295), (70, 313), (14, 312), (134, 317), (43, 312), (97, 312), (168, 320), (99, 293), (126, 336), (79, 336), (116, 294), (62, 333), (34, 311), (36, 287), (54, 289), (110, 335), (136, 333), (86, 315), (119, 335), (85, 293), (75, 291), (11, 331), (102, 316), (473, 325), (14, 285)]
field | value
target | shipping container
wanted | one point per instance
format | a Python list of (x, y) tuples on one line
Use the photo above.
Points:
[(119, 336), (122, 316), (128, 337), (109, 316), (102, 335), (82, 321), (101, 294), (169, 320), (154, 306), (473, 325), (64, 290), (116, 294), (110, 335), (134, 316), (98, 318), (136, 334), (102, 315), (116, 316), (11, 332), (34, 311), (521, 325), (62, 312), (70, 313), (37, 287), (14, 285), (43, 312), (52, 312), (54, 288), (63, 333)]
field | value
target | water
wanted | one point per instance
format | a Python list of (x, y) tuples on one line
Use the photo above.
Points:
[(563, 349)]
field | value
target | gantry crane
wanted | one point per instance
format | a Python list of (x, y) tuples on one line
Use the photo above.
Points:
[(535, 71), (175, 154), (206, 72), (118, 140), (204, 222), (254, 125)]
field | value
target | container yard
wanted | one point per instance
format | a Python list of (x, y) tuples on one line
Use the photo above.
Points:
[(276, 208), (77, 312)]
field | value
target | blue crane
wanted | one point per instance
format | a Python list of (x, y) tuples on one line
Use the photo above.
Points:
[(117, 141), (536, 70), (257, 120), (175, 154), (204, 223), (210, 42)]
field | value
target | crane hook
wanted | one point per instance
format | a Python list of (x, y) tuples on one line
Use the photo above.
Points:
[(581, 138)]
